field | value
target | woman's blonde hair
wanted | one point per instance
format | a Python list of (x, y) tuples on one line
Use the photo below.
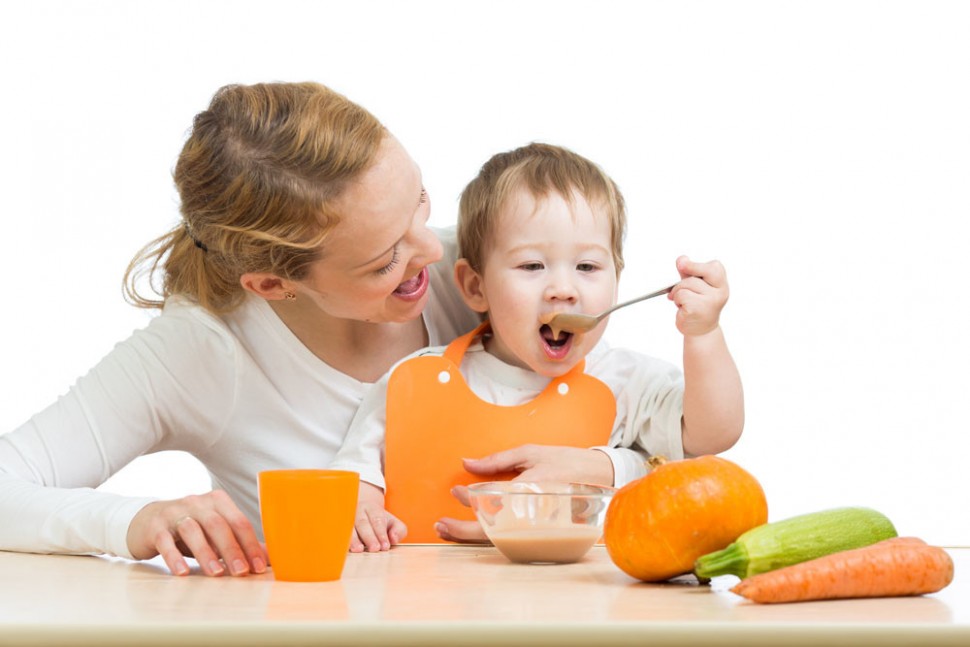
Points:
[(255, 178), (539, 169)]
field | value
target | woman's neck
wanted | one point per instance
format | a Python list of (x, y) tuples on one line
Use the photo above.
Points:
[(360, 349)]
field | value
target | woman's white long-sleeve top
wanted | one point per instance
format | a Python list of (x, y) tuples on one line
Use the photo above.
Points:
[(240, 392)]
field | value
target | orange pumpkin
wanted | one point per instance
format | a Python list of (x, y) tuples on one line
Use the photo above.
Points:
[(657, 526)]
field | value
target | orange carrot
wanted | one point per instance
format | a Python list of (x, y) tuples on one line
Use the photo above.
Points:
[(897, 566)]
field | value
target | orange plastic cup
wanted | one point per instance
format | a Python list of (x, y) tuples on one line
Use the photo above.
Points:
[(308, 516)]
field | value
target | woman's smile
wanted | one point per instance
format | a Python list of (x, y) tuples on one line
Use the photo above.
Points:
[(415, 287)]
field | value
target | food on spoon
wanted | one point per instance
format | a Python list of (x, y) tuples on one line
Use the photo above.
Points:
[(571, 323), (797, 539), (892, 567), (657, 526), (560, 318)]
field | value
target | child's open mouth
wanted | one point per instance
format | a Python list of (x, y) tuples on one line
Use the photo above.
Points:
[(556, 347)]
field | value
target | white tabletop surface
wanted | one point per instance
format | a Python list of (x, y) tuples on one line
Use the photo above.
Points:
[(442, 595)]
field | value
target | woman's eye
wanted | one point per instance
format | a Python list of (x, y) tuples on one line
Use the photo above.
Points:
[(390, 266)]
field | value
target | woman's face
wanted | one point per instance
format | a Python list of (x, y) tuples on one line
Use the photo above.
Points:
[(374, 264)]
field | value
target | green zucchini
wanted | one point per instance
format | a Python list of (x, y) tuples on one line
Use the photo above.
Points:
[(798, 539)]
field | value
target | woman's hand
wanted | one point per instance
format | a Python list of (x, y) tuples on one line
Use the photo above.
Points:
[(462, 532), (375, 528), (533, 463), (546, 463), (208, 527)]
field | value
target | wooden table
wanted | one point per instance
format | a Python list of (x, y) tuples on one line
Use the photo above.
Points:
[(441, 595)]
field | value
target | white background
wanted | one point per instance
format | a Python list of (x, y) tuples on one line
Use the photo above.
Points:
[(820, 150)]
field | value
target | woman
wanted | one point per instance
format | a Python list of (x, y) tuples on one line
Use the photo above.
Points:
[(302, 269)]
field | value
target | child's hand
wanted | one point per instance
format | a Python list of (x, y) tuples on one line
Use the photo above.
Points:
[(375, 528), (700, 296)]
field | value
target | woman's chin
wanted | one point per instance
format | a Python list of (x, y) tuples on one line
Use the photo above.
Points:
[(404, 310)]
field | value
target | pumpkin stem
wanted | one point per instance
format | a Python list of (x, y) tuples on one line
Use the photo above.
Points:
[(656, 461)]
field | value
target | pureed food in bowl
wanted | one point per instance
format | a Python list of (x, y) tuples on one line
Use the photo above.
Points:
[(541, 522)]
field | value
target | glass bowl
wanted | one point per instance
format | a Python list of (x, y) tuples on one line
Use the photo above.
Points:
[(549, 523)]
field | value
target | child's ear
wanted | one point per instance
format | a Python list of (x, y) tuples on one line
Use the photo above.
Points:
[(471, 286), (266, 285)]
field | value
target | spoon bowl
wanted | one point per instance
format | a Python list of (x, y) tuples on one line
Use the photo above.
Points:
[(575, 323)]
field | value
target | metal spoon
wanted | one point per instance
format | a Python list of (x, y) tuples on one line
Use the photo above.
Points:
[(574, 323)]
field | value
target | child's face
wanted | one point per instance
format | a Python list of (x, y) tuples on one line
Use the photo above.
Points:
[(546, 256)]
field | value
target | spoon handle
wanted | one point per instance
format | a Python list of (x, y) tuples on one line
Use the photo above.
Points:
[(638, 299)]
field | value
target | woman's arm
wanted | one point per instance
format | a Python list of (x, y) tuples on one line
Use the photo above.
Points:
[(166, 387)]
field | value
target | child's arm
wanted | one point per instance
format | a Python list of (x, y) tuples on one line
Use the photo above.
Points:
[(374, 528), (713, 397)]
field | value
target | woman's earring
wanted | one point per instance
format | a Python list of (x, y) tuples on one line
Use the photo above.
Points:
[(289, 296)]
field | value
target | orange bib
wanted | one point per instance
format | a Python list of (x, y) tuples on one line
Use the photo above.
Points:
[(434, 420)]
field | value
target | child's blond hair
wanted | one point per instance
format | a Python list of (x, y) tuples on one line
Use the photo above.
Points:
[(539, 169)]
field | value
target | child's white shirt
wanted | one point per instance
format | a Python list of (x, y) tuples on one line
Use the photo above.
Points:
[(649, 406)]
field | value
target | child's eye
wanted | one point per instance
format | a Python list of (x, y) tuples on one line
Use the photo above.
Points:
[(390, 266), (531, 267), (424, 196), (586, 267)]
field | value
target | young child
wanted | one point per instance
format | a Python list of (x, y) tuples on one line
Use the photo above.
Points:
[(540, 232)]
